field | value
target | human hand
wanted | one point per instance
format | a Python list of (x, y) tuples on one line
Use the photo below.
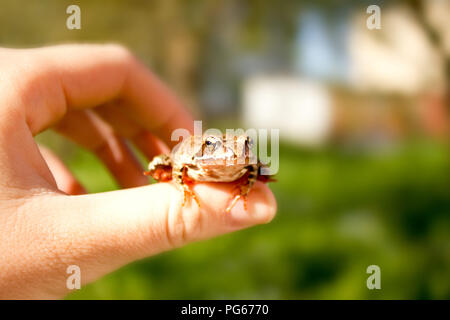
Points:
[(98, 96)]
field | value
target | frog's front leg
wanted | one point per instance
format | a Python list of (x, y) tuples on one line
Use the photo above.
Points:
[(160, 168), (244, 186), (182, 179)]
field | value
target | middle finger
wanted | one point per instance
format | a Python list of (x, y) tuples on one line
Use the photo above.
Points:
[(88, 130)]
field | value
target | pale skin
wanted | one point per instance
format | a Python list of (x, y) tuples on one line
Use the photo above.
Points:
[(98, 96)]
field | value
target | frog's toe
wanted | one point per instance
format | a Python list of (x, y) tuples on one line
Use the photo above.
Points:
[(160, 173), (233, 202), (235, 199), (188, 193)]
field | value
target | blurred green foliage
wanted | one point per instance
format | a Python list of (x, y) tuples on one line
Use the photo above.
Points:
[(339, 211)]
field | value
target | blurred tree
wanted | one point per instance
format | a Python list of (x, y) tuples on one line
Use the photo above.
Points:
[(436, 37), (437, 113)]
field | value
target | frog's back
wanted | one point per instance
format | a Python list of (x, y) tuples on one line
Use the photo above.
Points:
[(184, 153)]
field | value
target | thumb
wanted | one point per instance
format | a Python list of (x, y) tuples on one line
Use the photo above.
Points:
[(153, 218), (101, 232)]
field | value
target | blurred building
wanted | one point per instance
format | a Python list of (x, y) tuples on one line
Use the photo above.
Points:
[(406, 61), (301, 109), (355, 85), (399, 58)]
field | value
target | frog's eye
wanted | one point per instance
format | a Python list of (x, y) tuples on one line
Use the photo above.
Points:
[(212, 141)]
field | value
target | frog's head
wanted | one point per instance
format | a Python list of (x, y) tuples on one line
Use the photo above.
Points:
[(229, 150)]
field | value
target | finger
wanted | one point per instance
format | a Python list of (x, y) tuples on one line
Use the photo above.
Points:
[(113, 113), (83, 76), (88, 130), (102, 232), (65, 180), (150, 145)]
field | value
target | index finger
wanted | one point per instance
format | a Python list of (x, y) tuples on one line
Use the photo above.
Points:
[(90, 75)]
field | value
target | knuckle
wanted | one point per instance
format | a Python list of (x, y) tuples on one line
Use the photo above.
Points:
[(33, 88), (184, 223)]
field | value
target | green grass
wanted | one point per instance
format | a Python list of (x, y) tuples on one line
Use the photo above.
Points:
[(339, 212)]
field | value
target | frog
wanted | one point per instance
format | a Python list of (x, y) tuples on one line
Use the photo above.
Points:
[(210, 158)]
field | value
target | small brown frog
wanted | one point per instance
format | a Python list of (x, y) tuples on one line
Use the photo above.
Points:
[(210, 158)]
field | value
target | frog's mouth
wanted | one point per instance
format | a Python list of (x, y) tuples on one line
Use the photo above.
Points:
[(228, 158), (216, 159), (225, 153)]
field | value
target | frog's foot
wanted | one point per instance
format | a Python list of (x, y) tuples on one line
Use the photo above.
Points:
[(160, 168), (241, 192), (160, 173), (266, 179), (188, 193), (187, 190), (263, 177), (235, 200)]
